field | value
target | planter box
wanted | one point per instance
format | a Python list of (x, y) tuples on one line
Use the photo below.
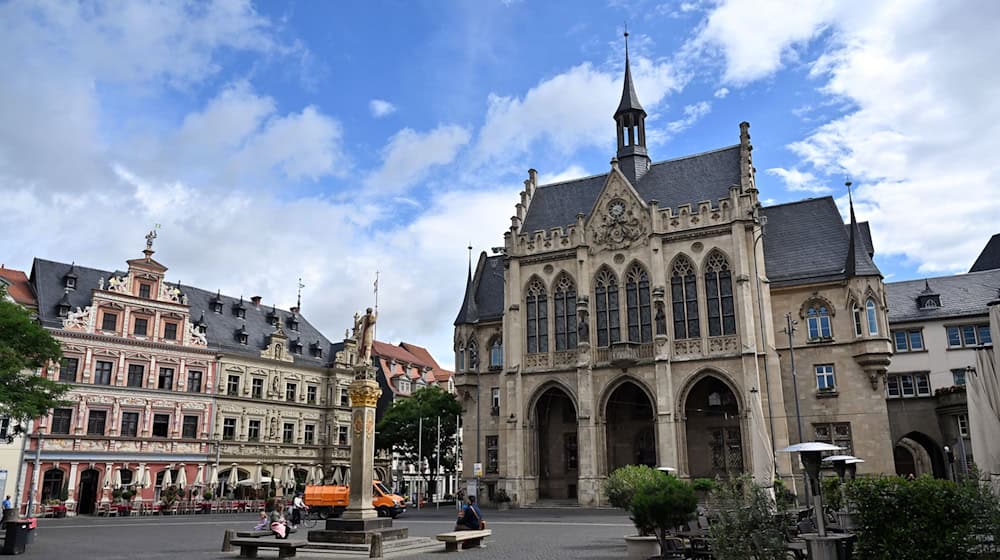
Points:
[(641, 548)]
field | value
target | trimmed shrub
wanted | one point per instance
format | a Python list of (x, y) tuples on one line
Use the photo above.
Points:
[(901, 519), (663, 504)]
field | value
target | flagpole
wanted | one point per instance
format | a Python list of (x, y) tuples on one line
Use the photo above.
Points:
[(437, 467), (375, 326)]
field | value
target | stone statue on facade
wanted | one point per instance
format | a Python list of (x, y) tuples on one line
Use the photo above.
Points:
[(661, 319), (100, 283), (272, 431), (583, 329), (149, 240)]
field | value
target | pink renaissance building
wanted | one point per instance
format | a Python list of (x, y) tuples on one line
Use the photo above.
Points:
[(140, 410)]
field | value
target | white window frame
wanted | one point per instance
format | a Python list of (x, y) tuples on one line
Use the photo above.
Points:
[(893, 390), (404, 385), (963, 424), (925, 378), (495, 397), (871, 316), (826, 380)]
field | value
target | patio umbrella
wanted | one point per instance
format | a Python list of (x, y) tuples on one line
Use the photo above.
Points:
[(984, 408), (762, 453), (167, 479), (213, 477), (199, 477), (335, 478), (107, 475), (144, 479), (258, 476), (317, 474), (182, 478), (118, 479), (289, 476)]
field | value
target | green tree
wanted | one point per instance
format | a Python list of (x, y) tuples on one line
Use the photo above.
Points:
[(623, 483), (24, 348), (663, 504), (748, 524), (398, 429)]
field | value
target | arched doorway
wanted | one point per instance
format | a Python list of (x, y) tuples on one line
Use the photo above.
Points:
[(557, 445), (917, 454), (52, 484), (87, 496), (714, 436), (630, 428)]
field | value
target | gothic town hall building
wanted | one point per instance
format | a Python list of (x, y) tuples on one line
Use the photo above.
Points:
[(639, 317)]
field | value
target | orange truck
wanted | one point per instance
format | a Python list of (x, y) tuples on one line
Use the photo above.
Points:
[(332, 500)]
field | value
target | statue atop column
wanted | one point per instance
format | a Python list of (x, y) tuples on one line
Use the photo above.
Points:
[(364, 329)]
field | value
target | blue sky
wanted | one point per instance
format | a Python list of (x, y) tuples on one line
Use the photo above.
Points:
[(328, 140)]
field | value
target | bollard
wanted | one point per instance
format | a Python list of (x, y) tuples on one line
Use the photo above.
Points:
[(376, 549), (226, 538)]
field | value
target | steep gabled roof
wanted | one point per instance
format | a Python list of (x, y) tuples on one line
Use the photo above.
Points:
[(989, 259), (962, 295), (686, 180), (806, 241), (483, 299), (47, 280), (18, 287)]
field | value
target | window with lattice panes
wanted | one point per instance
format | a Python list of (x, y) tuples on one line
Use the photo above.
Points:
[(638, 318), (872, 317), (818, 321), (684, 299), (564, 300), (496, 353), (606, 308), (719, 291), (835, 433), (492, 454), (536, 313)]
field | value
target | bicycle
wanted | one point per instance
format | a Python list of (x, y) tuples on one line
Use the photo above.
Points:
[(311, 517)]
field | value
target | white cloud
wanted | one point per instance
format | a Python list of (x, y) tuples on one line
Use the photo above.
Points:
[(410, 155), (570, 110), (692, 113), (755, 38), (799, 181), (572, 172), (381, 108), (721, 93)]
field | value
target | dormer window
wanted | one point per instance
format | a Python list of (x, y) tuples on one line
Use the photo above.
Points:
[(240, 310), (200, 324), (69, 280), (293, 323), (272, 317), (930, 303), (928, 298), (316, 350), (217, 307), (63, 306), (296, 346), (242, 336)]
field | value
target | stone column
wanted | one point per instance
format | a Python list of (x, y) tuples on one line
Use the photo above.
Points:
[(364, 391), (71, 484)]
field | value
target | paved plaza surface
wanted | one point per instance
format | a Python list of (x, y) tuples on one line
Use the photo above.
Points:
[(517, 534)]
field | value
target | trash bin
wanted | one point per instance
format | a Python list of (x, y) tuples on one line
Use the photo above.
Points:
[(16, 537), (32, 525)]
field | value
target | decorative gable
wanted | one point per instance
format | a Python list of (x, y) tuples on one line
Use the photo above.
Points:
[(620, 218), (277, 346)]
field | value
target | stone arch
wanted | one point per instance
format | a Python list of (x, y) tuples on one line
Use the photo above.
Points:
[(602, 403), (702, 373), (712, 417), (554, 447), (679, 259), (535, 278), (817, 299), (917, 453), (628, 412), (541, 389), (710, 256)]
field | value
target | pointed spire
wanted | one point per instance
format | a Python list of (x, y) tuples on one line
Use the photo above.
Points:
[(630, 101), (469, 279), (468, 313), (857, 260)]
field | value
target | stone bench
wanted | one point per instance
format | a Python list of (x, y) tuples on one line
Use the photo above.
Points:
[(248, 547), (469, 539), (258, 534)]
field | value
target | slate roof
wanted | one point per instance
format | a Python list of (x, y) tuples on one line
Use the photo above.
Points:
[(807, 241), (686, 180), (962, 295), (483, 299), (989, 259), (18, 287), (47, 280), (866, 236)]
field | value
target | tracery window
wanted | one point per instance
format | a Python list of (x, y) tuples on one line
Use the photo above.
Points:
[(818, 320), (537, 318), (473, 349), (460, 357), (856, 312), (496, 353), (637, 304), (565, 313), (684, 295), (872, 318), (719, 290), (606, 306)]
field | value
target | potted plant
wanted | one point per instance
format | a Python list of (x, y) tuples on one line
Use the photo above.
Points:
[(621, 488), (747, 523), (663, 504), (168, 497), (502, 499)]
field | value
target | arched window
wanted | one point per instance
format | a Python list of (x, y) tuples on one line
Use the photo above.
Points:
[(460, 357), (496, 353), (52, 484), (719, 290), (565, 313), (537, 317), (684, 296), (856, 312), (818, 321), (473, 350), (637, 303), (606, 305), (872, 318)]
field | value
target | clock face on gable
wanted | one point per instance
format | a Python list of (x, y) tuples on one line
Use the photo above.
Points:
[(616, 208)]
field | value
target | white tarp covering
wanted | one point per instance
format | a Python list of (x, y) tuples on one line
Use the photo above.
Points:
[(984, 408)]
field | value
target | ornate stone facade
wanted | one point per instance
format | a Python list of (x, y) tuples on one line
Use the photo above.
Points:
[(636, 317)]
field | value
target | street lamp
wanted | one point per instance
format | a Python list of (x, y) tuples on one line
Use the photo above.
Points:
[(821, 546)]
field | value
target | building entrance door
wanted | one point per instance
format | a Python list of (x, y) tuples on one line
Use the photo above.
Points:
[(87, 495), (557, 446), (714, 435)]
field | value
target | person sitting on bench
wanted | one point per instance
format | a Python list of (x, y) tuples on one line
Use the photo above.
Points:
[(471, 518)]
